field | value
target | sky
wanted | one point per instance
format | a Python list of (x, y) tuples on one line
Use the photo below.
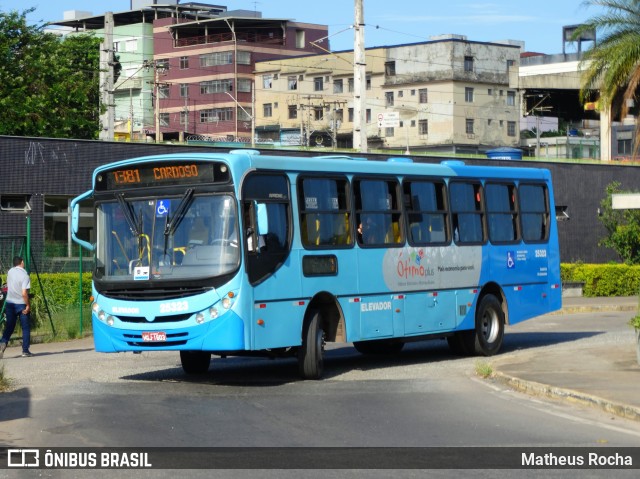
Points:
[(539, 24)]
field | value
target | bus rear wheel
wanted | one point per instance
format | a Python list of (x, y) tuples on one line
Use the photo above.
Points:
[(379, 346), (486, 338), (195, 362), (310, 355)]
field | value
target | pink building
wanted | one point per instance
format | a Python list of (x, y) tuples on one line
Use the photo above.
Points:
[(204, 70)]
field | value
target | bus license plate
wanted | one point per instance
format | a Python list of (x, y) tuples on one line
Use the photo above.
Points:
[(154, 336)]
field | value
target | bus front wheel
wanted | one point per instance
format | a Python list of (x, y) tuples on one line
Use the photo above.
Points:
[(195, 362), (310, 355), (486, 338)]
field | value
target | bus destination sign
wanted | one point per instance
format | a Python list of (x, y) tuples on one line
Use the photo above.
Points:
[(161, 175)]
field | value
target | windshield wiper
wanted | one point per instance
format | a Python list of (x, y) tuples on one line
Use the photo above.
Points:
[(129, 214), (179, 215)]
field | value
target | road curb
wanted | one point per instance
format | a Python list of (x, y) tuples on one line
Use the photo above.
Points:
[(575, 397), (591, 309)]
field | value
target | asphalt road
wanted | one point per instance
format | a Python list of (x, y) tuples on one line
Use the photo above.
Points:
[(70, 396)]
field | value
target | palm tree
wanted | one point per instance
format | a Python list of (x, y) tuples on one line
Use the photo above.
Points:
[(612, 66)]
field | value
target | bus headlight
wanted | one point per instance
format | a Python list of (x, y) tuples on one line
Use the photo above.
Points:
[(226, 303), (110, 320), (95, 307), (199, 318), (213, 313), (102, 315)]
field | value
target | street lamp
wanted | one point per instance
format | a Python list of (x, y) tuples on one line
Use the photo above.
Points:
[(253, 118)]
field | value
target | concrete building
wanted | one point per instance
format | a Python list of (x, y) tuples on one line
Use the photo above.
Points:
[(205, 88), (447, 95)]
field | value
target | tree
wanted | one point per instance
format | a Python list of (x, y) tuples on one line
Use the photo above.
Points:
[(613, 64), (49, 84), (623, 227)]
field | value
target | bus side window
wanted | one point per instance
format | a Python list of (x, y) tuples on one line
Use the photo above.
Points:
[(425, 202), (534, 212), (467, 213)]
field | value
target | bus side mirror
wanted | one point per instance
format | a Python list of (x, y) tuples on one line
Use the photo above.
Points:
[(75, 220), (263, 218)]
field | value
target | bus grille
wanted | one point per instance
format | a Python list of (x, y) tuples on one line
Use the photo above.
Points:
[(158, 319)]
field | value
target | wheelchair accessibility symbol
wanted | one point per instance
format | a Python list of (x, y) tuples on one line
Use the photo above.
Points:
[(162, 207), (510, 261)]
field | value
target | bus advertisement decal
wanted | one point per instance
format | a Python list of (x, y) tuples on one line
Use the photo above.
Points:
[(431, 268)]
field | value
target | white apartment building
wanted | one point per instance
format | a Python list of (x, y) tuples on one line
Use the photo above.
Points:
[(445, 95)]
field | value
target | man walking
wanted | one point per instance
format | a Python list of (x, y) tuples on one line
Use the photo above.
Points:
[(17, 306)]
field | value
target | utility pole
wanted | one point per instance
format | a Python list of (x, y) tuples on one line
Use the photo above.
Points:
[(157, 69), (534, 109), (106, 80), (359, 81)]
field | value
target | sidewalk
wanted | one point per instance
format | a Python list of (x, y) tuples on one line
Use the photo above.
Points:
[(603, 375)]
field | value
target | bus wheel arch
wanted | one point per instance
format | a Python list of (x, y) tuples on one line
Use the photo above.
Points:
[(332, 316)]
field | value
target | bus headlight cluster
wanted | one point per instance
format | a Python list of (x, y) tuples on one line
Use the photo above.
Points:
[(102, 315)]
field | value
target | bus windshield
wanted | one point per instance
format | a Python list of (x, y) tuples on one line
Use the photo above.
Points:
[(164, 238)]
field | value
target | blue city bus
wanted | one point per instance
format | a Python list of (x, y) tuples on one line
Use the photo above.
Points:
[(241, 253)]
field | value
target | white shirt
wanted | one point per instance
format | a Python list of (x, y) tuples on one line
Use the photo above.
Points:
[(17, 280)]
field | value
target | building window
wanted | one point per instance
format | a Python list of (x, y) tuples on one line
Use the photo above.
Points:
[(490, 92), (244, 58), (244, 85), (511, 98), (214, 59), (163, 91), (389, 98), (267, 81), (318, 84), (338, 86), (350, 85), (423, 127), (292, 82), (469, 126), (367, 115), (267, 110), (215, 86), (389, 131), (511, 128), (338, 115), (184, 63), (184, 116), (318, 113), (184, 90), (164, 119), (293, 112), (213, 115), (468, 64), (300, 38), (423, 95), (350, 115), (624, 147), (368, 82), (468, 95), (243, 114), (390, 68)]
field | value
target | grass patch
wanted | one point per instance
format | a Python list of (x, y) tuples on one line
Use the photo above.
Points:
[(4, 381), (484, 369)]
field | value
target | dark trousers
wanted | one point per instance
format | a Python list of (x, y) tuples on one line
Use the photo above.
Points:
[(13, 312)]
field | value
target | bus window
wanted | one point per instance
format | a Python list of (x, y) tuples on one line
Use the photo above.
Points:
[(466, 212), (534, 212), (501, 212), (426, 210), (324, 212), (378, 212)]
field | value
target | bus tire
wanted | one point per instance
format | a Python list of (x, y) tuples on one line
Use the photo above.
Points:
[(310, 355), (195, 362), (379, 346), (486, 338)]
